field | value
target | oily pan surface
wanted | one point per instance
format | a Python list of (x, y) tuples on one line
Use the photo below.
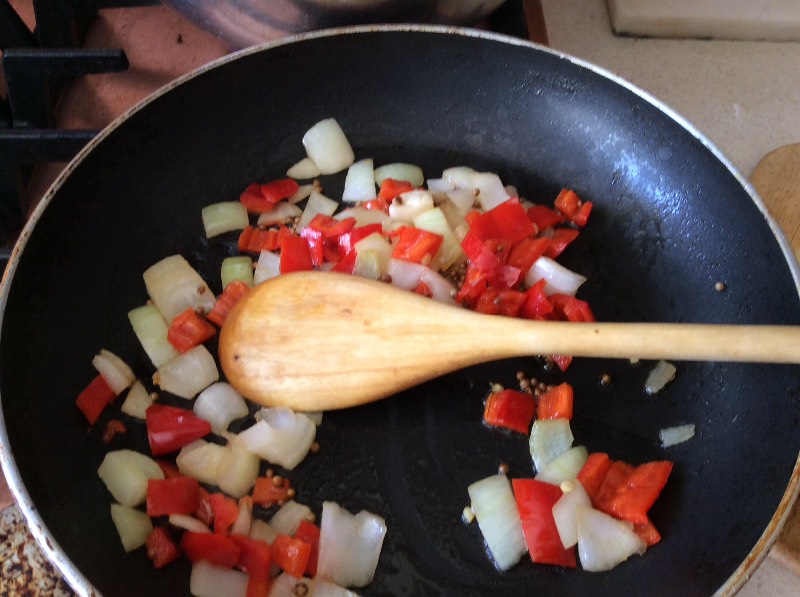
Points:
[(669, 222)]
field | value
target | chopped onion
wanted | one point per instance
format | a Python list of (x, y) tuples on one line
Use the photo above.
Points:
[(558, 279), (237, 470), (604, 541), (359, 184), (455, 219), (281, 437), (564, 467), (459, 177), (187, 374), (491, 191), (188, 523), (219, 218), (660, 376), (450, 251), (315, 416), (283, 211), (400, 171), (441, 288), (115, 371), (133, 526), (175, 286), (289, 516), (137, 401), (565, 511), (671, 436), (201, 460), (349, 545), (244, 520), (268, 266), (260, 529), (463, 199), (210, 580), (304, 169), (404, 274), (372, 256), (409, 205), (327, 145), (325, 588), (238, 267), (286, 585), (125, 474), (498, 518), (549, 438), (220, 404), (317, 204), (363, 216), (150, 328)]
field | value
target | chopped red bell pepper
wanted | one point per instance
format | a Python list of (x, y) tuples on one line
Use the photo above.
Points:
[(224, 510), (592, 473), (261, 198), (291, 554), (572, 207), (204, 512), (423, 289), (169, 468), (473, 286), (226, 301), (255, 556), (570, 308), (252, 196), (648, 533), (258, 587), (161, 548), (309, 532), (346, 264), (254, 240), (638, 491), (170, 428), (295, 255), (348, 240), (175, 495), (525, 253), (536, 304), (322, 235), (510, 409), (271, 491), (556, 403), (188, 329), (560, 239), (215, 548), (500, 301), (507, 221), (535, 501), (416, 245), (581, 217), (94, 398), (544, 218), (113, 428), (391, 188)]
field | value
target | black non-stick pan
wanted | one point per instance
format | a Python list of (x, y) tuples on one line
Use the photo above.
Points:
[(671, 220)]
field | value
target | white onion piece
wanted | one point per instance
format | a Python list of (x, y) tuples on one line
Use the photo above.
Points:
[(359, 184), (125, 473), (565, 467), (671, 436), (549, 439), (304, 169), (115, 371), (455, 219), (260, 529), (459, 177), (286, 585), (133, 526), (660, 376), (289, 516), (558, 279), (220, 404), (201, 460), (400, 171), (450, 251), (302, 192), (137, 401), (372, 256), (409, 205), (325, 588), (349, 545), (281, 437), (227, 216), (268, 266), (604, 541), (187, 374), (327, 145), (210, 580), (491, 191), (317, 204), (498, 518), (565, 511), (150, 328), (439, 185), (237, 470), (174, 286), (238, 267), (188, 523), (463, 199), (441, 288), (315, 416), (404, 274), (244, 520), (283, 211), (363, 216)]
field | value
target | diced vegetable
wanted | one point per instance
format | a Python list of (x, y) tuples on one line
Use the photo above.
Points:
[(556, 403), (566, 509), (558, 279), (175, 495), (133, 526), (671, 436), (309, 533), (327, 145), (268, 266), (304, 169), (201, 460), (188, 329), (237, 470), (188, 374), (137, 401), (400, 171), (161, 547), (226, 301), (116, 372), (174, 286), (564, 467), (510, 409), (237, 268), (151, 329), (604, 541), (220, 404), (282, 213), (496, 512), (549, 439), (359, 184), (450, 251), (281, 437), (535, 501), (226, 216), (317, 204), (288, 517), (291, 554), (125, 473), (94, 398), (208, 580), (170, 428), (409, 205), (214, 548), (660, 376)]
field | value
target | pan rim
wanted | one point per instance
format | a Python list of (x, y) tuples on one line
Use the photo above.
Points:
[(39, 530)]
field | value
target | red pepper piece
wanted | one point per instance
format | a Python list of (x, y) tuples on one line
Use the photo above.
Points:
[(473, 286), (295, 255), (252, 198), (204, 512), (556, 403), (94, 398), (112, 429), (270, 491), (560, 239), (593, 472), (176, 495), (280, 189), (525, 253), (188, 329), (170, 428), (581, 217), (161, 548), (544, 218), (567, 203), (348, 240), (510, 409), (346, 264), (224, 510), (170, 469), (570, 308), (291, 554), (507, 221), (255, 556), (214, 548), (536, 304), (416, 245), (535, 501), (226, 301), (500, 301), (648, 533), (309, 532), (633, 498), (391, 188)]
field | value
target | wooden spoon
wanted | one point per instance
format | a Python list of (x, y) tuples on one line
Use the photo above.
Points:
[(319, 341)]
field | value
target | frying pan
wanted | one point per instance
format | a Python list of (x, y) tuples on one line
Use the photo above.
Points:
[(671, 220)]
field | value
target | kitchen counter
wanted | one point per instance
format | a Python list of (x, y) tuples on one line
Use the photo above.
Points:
[(743, 95)]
